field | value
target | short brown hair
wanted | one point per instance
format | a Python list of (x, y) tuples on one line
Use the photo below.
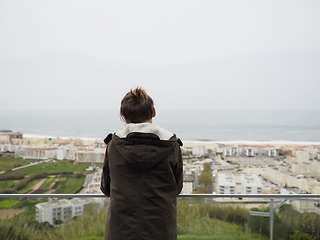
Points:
[(137, 106)]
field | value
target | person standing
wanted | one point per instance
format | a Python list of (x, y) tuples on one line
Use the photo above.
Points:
[(142, 174)]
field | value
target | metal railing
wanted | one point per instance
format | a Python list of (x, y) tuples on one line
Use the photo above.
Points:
[(80, 195), (233, 197)]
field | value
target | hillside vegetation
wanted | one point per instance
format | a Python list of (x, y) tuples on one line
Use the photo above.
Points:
[(193, 224)]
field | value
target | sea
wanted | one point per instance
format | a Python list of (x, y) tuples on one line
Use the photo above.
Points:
[(188, 125)]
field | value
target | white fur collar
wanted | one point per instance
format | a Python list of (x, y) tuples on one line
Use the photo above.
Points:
[(145, 128)]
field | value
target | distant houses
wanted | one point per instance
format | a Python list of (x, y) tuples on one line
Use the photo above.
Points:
[(7, 136), (287, 162), (13, 144)]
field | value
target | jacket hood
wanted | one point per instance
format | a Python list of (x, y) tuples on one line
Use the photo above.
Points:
[(143, 150), (145, 127)]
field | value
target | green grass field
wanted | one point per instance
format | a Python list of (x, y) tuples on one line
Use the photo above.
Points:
[(54, 167), (7, 163), (72, 183), (9, 203)]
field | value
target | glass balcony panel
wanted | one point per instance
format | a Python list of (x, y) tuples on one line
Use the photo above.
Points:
[(208, 216)]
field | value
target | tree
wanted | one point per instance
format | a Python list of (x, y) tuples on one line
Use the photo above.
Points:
[(207, 167), (202, 190), (205, 179)]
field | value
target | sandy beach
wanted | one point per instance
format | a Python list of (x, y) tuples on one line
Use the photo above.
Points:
[(255, 144), (187, 143)]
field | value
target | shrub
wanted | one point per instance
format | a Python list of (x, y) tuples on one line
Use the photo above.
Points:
[(8, 191), (11, 176), (300, 236), (229, 214), (12, 232)]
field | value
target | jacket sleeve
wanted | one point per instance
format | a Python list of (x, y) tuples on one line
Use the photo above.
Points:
[(105, 177), (178, 171)]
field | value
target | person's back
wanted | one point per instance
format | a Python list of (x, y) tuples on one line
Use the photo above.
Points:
[(142, 174)]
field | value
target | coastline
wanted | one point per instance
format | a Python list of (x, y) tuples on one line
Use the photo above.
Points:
[(231, 127), (210, 144), (294, 146), (33, 136), (230, 142)]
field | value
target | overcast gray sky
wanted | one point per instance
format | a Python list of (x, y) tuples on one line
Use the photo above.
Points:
[(186, 54)]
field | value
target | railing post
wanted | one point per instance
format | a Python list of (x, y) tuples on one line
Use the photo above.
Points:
[(271, 218)]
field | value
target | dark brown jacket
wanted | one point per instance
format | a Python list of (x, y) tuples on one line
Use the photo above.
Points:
[(142, 175)]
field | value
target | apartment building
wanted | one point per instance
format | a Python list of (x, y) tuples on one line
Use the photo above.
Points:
[(245, 183), (251, 184), (225, 183), (40, 152), (188, 184), (6, 147), (199, 150), (312, 168), (301, 205), (250, 152), (93, 186), (62, 210), (272, 152), (230, 151), (7, 136), (284, 178), (302, 156), (93, 155), (66, 152), (56, 151)]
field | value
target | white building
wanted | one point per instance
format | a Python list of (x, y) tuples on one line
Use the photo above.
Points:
[(93, 187), (249, 152), (188, 184), (199, 150), (302, 157), (92, 155), (251, 184), (228, 183), (4, 147), (219, 150), (311, 167), (59, 210), (66, 152), (272, 152), (40, 152), (225, 183), (228, 152), (7, 136), (302, 206)]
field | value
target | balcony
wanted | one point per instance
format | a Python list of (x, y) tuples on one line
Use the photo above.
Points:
[(200, 217)]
